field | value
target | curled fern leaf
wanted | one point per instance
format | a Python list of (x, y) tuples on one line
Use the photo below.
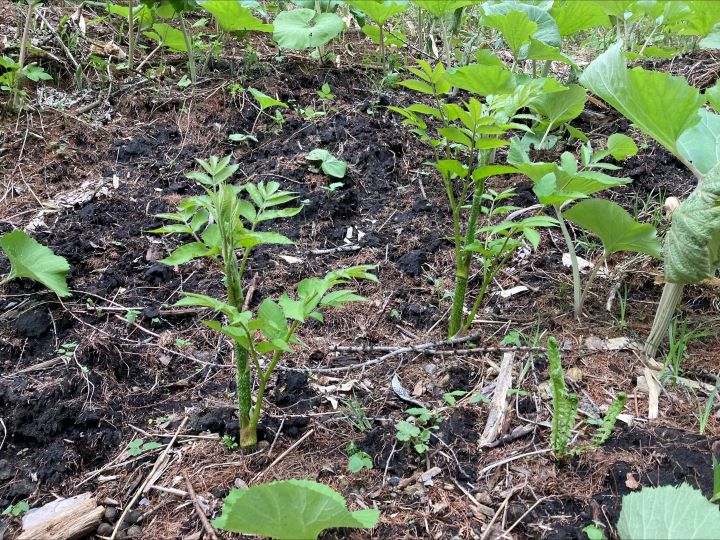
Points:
[(692, 247)]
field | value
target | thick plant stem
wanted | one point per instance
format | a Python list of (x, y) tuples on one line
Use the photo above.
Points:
[(590, 280), (264, 377), (464, 261), (23, 54), (577, 292), (131, 35), (671, 296), (248, 431)]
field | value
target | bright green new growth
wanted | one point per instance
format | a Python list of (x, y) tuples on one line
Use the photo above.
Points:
[(668, 512), (222, 222), (30, 259), (290, 510), (565, 410), (565, 404), (464, 138), (323, 160)]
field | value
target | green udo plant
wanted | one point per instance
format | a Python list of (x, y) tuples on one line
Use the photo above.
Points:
[(464, 137), (222, 223)]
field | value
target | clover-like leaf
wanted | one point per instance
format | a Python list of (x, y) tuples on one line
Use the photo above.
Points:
[(30, 259)]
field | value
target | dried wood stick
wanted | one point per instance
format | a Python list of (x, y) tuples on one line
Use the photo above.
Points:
[(139, 491), (285, 453), (199, 510)]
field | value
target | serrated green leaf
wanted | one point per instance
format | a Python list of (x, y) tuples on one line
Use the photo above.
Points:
[(264, 510), (266, 101), (560, 107), (572, 16), (661, 105), (251, 239), (617, 230), (380, 10), (482, 79), (515, 27), (188, 252), (167, 36), (30, 259)]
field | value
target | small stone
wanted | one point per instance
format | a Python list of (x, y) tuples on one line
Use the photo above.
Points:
[(134, 532), (111, 514), (415, 490), (133, 517), (430, 369), (263, 445), (394, 480), (105, 529), (574, 374), (121, 535), (544, 390)]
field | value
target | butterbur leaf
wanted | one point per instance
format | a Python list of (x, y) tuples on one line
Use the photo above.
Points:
[(661, 105), (617, 230), (692, 246), (290, 509), (668, 512), (701, 143), (302, 28), (233, 17), (30, 259)]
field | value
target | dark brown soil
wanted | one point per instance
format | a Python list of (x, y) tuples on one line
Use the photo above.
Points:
[(65, 417)]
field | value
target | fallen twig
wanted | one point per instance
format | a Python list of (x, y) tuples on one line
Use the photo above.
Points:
[(285, 453), (148, 478), (351, 247), (443, 347), (199, 510)]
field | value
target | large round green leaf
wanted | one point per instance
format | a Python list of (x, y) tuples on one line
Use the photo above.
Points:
[(547, 29), (304, 28), (290, 509), (668, 512)]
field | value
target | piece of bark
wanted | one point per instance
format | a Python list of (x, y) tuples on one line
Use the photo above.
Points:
[(497, 416), (65, 519)]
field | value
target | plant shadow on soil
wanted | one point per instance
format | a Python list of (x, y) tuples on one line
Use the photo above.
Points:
[(63, 423)]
